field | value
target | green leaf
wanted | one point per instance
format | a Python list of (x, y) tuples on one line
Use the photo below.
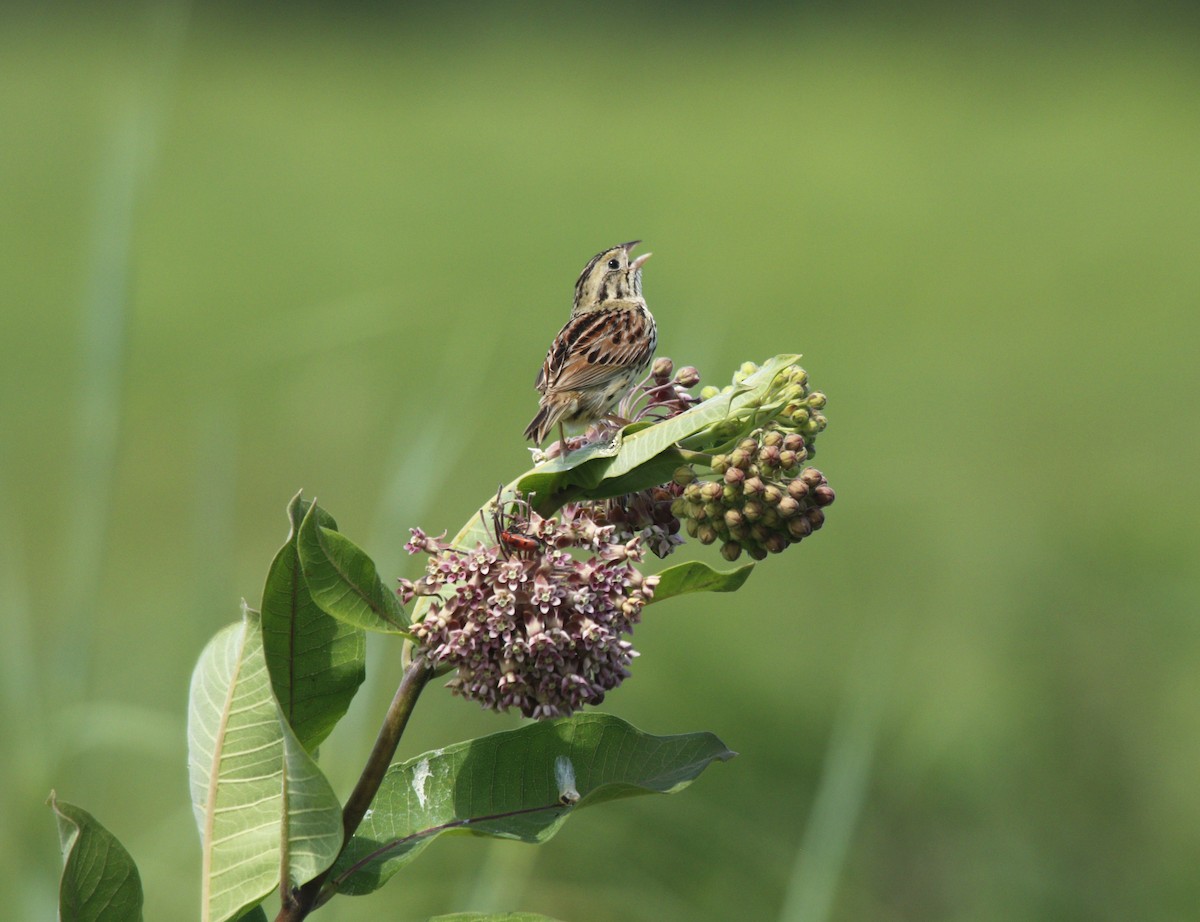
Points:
[(492, 917), (343, 580), (519, 784), (694, 576), (100, 882), (316, 661), (262, 805), (254, 914)]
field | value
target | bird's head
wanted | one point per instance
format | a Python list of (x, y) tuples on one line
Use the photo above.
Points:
[(610, 276)]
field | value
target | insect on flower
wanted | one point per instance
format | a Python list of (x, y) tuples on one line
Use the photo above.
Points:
[(511, 540)]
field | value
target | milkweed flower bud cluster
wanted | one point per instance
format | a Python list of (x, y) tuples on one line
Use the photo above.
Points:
[(648, 514), (788, 403), (526, 624), (762, 501)]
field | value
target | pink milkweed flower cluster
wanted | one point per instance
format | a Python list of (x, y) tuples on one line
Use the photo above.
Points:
[(525, 623)]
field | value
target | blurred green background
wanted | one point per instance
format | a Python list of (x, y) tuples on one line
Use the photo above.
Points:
[(247, 251)]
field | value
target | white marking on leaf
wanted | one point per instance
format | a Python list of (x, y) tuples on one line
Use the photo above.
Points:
[(564, 777), (420, 779)]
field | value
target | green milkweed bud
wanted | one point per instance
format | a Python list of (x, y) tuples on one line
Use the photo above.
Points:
[(816, 400), (684, 475), (709, 391), (687, 376), (726, 429), (792, 392), (662, 368), (731, 551)]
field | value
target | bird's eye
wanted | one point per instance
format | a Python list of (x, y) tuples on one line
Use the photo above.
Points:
[(614, 264)]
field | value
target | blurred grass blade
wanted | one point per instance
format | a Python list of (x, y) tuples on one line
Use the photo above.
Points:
[(695, 576), (316, 661), (841, 792), (98, 404), (103, 331), (263, 807), (520, 784), (343, 580), (100, 882)]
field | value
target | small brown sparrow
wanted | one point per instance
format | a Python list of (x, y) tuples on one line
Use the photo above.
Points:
[(606, 346)]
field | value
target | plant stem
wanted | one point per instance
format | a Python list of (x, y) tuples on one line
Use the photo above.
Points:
[(695, 457), (303, 900)]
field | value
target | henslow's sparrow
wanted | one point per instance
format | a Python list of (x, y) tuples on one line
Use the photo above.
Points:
[(602, 351)]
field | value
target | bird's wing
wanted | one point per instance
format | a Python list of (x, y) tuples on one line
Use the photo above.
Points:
[(592, 345)]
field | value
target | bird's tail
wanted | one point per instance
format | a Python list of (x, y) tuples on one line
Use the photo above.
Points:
[(540, 426)]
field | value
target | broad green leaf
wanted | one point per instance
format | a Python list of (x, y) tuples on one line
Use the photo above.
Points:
[(261, 803), (316, 661), (519, 784), (694, 576), (256, 914), (492, 917), (343, 580), (100, 882)]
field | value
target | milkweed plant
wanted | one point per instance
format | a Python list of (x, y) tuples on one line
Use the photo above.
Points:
[(530, 607)]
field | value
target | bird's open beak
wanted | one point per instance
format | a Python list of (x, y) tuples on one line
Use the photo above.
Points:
[(637, 263)]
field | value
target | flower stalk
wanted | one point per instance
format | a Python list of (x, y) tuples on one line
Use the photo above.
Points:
[(301, 901)]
